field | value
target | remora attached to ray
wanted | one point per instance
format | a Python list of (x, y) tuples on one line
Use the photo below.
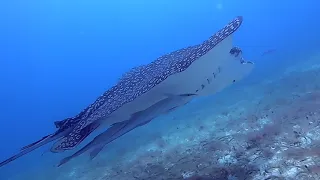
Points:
[(202, 69), (172, 102)]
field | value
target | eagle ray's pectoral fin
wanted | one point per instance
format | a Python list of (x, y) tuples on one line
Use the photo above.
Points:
[(74, 138)]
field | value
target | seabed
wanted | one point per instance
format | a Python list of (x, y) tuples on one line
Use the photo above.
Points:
[(268, 130)]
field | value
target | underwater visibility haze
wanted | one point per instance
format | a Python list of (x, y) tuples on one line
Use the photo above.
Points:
[(125, 90)]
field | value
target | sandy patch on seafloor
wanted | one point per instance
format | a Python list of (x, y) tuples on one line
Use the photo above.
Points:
[(268, 130)]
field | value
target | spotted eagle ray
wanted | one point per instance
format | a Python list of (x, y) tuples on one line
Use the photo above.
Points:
[(203, 69), (138, 119), (186, 70)]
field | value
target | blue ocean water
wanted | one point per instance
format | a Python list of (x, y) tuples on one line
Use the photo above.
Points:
[(59, 56)]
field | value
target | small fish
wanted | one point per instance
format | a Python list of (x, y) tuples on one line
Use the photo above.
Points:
[(138, 119), (268, 52)]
